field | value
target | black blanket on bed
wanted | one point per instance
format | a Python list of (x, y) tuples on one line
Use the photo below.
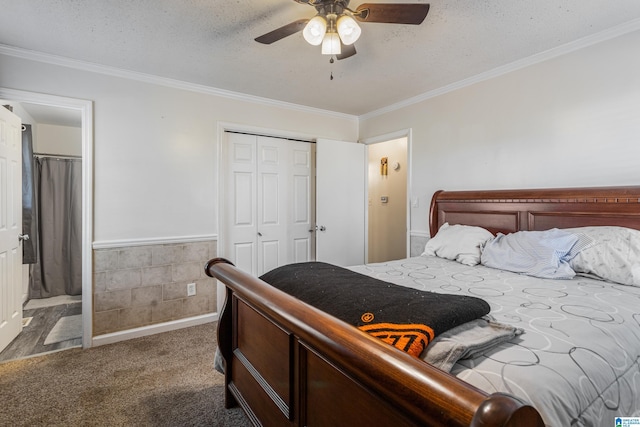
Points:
[(403, 317)]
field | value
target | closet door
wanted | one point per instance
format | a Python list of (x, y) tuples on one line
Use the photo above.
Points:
[(302, 186), (269, 202), (239, 203), (272, 219)]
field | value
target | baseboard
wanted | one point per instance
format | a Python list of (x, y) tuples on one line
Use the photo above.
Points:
[(153, 329)]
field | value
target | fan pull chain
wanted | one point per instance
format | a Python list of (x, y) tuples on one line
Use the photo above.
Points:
[(331, 68)]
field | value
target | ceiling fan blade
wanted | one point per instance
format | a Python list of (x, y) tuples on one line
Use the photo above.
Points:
[(347, 51), (282, 32), (392, 13)]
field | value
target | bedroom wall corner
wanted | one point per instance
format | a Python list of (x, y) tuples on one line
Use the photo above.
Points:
[(568, 121)]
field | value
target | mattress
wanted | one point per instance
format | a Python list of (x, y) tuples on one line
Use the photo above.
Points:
[(577, 361)]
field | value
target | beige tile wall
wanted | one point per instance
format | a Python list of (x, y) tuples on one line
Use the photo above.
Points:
[(417, 244), (143, 285)]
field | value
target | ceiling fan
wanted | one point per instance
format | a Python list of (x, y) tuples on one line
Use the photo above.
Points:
[(335, 27)]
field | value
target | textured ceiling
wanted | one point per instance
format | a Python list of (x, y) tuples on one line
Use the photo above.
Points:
[(210, 42)]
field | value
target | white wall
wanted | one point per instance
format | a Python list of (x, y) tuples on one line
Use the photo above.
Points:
[(570, 121), (156, 146), (566, 122), (54, 139)]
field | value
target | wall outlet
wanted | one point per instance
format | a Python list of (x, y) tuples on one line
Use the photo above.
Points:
[(191, 289)]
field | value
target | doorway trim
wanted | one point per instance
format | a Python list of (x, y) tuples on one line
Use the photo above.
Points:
[(402, 133), (85, 107)]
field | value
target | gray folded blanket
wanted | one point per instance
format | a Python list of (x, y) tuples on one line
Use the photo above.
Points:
[(466, 341)]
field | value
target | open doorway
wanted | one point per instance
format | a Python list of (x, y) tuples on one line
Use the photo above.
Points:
[(56, 313), (387, 210)]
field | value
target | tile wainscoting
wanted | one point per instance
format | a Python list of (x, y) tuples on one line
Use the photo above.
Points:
[(138, 286), (144, 285), (418, 241)]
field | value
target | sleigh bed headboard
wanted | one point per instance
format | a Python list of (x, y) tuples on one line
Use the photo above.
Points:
[(508, 211)]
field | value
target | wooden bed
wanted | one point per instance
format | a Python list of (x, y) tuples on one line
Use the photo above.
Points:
[(288, 363)]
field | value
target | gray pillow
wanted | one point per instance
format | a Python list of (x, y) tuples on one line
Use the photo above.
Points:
[(614, 254)]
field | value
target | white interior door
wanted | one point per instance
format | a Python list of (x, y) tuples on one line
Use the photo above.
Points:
[(273, 203), (340, 202), (268, 212), (10, 227), (240, 242)]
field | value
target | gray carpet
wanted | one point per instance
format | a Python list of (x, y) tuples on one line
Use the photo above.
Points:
[(161, 380)]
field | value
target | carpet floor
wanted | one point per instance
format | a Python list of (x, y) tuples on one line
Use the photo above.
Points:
[(160, 380)]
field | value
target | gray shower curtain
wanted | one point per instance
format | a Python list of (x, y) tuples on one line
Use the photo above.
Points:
[(57, 233), (29, 255)]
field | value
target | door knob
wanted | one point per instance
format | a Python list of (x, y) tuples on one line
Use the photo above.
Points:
[(323, 228), (23, 237)]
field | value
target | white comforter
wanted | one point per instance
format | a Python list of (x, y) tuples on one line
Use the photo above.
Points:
[(578, 360)]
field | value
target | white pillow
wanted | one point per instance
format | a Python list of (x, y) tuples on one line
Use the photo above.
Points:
[(614, 254), (458, 242)]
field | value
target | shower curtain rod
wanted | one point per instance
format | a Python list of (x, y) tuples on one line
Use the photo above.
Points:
[(60, 156)]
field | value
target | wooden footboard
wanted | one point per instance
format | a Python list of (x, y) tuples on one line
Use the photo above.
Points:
[(287, 363)]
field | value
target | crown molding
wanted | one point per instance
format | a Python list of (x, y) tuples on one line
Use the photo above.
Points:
[(602, 36), (162, 81)]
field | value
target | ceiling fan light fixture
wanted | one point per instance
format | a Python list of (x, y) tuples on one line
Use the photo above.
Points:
[(331, 44), (348, 29), (315, 30), (334, 25)]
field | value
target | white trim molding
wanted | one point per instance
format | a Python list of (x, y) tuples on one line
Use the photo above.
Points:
[(126, 243), (162, 81), (602, 36), (154, 329), (420, 233), (401, 133), (85, 107)]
